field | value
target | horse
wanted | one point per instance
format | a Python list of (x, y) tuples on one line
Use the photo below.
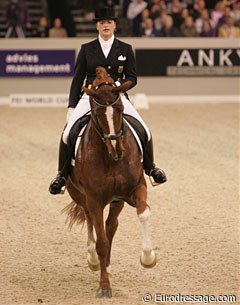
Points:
[(107, 171)]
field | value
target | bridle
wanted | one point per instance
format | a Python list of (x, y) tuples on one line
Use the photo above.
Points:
[(103, 135), (113, 103)]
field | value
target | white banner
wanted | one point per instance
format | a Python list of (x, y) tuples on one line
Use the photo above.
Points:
[(38, 100)]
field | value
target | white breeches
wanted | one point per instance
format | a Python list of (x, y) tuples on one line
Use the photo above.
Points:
[(83, 107)]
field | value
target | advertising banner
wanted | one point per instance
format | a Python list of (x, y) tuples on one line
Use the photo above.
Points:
[(37, 63), (188, 62)]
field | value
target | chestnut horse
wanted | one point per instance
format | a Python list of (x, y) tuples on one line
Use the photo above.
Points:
[(107, 170)]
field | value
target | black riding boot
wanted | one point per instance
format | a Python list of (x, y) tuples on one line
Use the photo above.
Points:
[(65, 155), (64, 165), (150, 168)]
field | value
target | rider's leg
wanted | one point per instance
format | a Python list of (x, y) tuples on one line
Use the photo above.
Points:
[(81, 109), (144, 133), (65, 150), (64, 165)]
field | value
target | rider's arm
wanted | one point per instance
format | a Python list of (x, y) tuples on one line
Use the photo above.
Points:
[(78, 79)]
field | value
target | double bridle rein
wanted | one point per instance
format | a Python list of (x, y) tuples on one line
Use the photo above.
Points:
[(103, 135)]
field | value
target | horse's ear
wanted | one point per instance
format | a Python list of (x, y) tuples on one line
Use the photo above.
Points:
[(89, 92), (124, 87)]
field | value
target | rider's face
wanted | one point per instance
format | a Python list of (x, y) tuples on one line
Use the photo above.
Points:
[(106, 28)]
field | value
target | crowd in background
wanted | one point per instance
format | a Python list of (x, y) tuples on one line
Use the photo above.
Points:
[(186, 18), (152, 18)]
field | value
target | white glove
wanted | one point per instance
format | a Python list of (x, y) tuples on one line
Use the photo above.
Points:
[(70, 111)]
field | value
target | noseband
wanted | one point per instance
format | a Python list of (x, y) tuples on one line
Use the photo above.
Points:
[(103, 135)]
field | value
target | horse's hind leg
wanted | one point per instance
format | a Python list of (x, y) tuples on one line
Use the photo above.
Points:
[(92, 258), (112, 225), (148, 256)]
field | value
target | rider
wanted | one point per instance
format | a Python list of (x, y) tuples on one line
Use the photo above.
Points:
[(118, 59)]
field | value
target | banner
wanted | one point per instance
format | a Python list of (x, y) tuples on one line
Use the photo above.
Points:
[(37, 63), (188, 62), (38, 100)]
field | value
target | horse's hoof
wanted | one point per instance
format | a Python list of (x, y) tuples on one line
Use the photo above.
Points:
[(104, 293), (93, 267), (148, 260)]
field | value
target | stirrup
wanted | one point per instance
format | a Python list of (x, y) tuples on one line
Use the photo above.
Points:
[(152, 181), (62, 184)]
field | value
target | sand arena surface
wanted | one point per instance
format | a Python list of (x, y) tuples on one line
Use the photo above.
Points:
[(194, 223)]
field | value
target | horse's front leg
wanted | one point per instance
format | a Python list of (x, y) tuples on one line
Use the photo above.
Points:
[(148, 256), (102, 247), (112, 225), (92, 258)]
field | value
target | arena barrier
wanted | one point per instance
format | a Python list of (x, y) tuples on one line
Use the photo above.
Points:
[(38, 72)]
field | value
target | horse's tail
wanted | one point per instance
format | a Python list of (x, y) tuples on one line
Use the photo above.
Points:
[(75, 214)]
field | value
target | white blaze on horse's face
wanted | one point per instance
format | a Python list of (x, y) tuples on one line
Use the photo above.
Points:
[(109, 115)]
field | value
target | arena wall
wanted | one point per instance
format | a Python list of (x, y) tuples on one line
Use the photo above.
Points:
[(204, 88)]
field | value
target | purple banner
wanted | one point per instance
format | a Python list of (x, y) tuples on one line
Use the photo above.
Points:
[(37, 63)]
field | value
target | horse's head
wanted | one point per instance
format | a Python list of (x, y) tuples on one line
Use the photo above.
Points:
[(107, 111)]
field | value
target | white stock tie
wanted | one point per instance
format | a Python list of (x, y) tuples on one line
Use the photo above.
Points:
[(106, 48)]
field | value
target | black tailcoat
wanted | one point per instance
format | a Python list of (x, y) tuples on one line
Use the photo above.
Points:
[(120, 64)]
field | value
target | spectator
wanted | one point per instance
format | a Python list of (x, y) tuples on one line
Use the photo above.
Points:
[(218, 12), (144, 15), (17, 18), (57, 31), (135, 8), (184, 14), (174, 3), (158, 22), (175, 13), (168, 29), (196, 9), (222, 20), (199, 22), (43, 29), (155, 11), (134, 11), (236, 13), (229, 30), (148, 29), (188, 28), (207, 29), (61, 9)]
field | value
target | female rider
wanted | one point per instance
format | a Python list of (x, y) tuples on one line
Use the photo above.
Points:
[(118, 59)]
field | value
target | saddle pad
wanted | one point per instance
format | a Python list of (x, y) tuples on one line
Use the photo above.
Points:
[(131, 128)]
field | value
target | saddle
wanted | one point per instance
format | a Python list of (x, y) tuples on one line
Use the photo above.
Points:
[(79, 126)]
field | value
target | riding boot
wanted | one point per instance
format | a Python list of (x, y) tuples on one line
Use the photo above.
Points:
[(150, 168), (64, 165)]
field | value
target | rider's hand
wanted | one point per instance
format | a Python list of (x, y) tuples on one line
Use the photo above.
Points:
[(70, 110)]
